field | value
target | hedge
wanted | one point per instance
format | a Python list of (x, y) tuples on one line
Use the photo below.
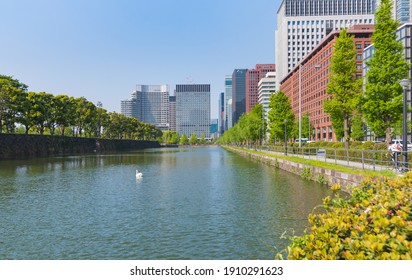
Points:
[(375, 223)]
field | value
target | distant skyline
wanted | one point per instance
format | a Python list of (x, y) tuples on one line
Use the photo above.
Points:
[(101, 49)]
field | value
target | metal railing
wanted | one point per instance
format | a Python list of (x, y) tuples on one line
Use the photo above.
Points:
[(365, 159)]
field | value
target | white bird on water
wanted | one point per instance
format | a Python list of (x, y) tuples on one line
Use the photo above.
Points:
[(138, 174)]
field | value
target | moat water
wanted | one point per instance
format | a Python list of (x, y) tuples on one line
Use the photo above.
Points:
[(194, 203)]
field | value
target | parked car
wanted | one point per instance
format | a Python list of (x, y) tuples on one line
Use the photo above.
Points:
[(400, 142)]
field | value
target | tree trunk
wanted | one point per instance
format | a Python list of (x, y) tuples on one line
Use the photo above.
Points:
[(388, 134), (346, 132)]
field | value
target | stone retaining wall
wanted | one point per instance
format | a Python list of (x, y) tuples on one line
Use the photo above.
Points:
[(319, 174), (13, 146)]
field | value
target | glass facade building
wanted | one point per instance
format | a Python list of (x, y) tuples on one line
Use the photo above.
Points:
[(193, 110), (149, 104), (238, 93), (303, 24)]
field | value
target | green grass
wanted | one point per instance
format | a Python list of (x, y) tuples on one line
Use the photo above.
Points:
[(322, 164)]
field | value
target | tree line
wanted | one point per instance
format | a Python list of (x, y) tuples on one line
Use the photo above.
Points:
[(351, 103), (45, 113)]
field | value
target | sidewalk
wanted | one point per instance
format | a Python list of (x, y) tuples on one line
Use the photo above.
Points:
[(321, 156)]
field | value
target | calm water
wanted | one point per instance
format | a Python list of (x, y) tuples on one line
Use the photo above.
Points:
[(202, 203)]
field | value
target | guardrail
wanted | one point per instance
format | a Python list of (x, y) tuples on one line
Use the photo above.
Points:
[(365, 159)]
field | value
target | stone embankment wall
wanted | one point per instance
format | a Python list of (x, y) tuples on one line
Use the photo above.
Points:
[(322, 175), (13, 146)]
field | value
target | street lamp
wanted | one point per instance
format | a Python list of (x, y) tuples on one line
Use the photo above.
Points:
[(300, 102), (405, 85), (286, 147)]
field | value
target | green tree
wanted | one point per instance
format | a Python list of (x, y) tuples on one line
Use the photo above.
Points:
[(357, 128), (12, 96), (307, 128), (344, 86), (184, 140), (382, 101), (280, 111), (202, 140), (64, 112), (193, 139)]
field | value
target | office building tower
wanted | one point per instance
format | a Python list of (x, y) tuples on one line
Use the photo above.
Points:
[(172, 113), (267, 87), (302, 24), (228, 96), (229, 113), (306, 84), (402, 10), (128, 107), (152, 103), (193, 110), (238, 94), (253, 77), (149, 104), (221, 113)]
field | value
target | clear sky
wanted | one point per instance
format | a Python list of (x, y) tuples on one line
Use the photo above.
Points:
[(101, 49)]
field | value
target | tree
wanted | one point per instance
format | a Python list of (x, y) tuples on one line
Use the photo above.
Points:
[(382, 101), (280, 111), (64, 112), (184, 140), (11, 93), (202, 140), (193, 139), (307, 128), (357, 128), (344, 86)]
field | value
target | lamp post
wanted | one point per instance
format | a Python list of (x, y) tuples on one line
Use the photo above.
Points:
[(286, 147), (405, 85)]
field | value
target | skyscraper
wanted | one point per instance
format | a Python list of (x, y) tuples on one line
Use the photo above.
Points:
[(267, 86), (172, 113), (193, 110), (221, 112), (238, 93), (402, 10), (149, 104), (253, 77), (302, 24), (128, 106), (228, 96)]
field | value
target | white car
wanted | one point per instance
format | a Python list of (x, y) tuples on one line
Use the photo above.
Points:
[(400, 142)]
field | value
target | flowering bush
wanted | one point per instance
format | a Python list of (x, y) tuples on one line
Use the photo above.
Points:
[(374, 223)]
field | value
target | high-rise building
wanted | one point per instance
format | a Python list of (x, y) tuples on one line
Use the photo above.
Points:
[(221, 113), (267, 87), (402, 10), (302, 24), (193, 110), (149, 104), (253, 77), (238, 93), (228, 96), (306, 84), (172, 113), (128, 107)]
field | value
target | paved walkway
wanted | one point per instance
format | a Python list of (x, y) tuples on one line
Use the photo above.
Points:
[(321, 156)]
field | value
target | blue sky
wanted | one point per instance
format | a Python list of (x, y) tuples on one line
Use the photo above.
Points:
[(101, 49)]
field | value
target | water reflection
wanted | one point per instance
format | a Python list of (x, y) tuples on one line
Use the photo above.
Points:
[(201, 203)]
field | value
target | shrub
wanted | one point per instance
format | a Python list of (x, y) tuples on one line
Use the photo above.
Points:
[(374, 223)]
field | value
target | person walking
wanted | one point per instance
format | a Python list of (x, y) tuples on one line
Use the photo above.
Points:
[(395, 149)]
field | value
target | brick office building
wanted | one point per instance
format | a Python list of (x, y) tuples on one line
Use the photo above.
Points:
[(253, 76), (314, 73)]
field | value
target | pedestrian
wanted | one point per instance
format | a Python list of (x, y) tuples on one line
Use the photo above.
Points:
[(395, 149)]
